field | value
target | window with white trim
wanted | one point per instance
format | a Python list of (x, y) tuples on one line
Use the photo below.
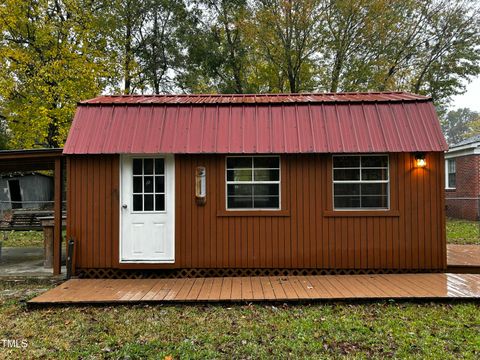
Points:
[(148, 184), (360, 182), (451, 174), (253, 182)]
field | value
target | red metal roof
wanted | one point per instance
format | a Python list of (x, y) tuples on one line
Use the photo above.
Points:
[(285, 123)]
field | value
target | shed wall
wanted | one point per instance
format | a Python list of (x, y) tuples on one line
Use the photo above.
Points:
[(305, 234), (33, 188)]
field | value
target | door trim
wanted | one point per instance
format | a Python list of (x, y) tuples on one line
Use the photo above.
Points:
[(120, 199)]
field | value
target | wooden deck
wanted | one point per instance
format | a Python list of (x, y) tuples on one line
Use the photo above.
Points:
[(291, 288), (466, 257)]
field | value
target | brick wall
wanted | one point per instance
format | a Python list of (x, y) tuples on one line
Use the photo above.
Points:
[(467, 185)]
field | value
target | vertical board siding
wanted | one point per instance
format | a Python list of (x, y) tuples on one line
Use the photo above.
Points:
[(93, 209), (305, 235)]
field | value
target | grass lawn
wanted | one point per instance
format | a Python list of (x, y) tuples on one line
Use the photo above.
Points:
[(377, 330), (22, 238), (463, 232)]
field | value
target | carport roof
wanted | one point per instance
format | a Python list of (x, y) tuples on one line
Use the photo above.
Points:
[(29, 160)]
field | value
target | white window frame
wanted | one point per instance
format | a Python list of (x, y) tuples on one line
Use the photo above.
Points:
[(252, 182), (447, 185), (361, 182)]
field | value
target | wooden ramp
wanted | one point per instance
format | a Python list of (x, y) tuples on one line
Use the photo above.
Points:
[(463, 258), (290, 288)]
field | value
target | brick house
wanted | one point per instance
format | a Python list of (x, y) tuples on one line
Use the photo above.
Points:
[(462, 179)]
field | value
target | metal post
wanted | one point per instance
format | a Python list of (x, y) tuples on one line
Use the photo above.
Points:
[(57, 231), (70, 252)]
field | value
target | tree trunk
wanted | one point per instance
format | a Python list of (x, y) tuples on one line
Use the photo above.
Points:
[(292, 82), (337, 68), (128, 56)]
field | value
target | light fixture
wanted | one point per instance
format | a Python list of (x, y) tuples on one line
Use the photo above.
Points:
[(200, 185), (420, 161)]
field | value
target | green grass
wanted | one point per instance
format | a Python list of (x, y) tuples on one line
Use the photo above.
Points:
[(463, 232), (311, 331), (22, 238)]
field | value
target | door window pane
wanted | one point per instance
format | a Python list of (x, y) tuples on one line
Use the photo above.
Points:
[(160, 202), (148, 183), (137, 184), (137, 166), (159, 184), (137, 202), (159, 166), (148, 166), (148, 202)]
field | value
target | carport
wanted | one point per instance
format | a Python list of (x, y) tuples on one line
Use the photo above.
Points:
[(41, 159)]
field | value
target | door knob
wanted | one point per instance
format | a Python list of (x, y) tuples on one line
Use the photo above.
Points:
[(124, 206)]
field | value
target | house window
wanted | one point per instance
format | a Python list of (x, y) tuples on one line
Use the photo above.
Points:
[(360, 182), (148, 184), (451, 174), (253, 182)]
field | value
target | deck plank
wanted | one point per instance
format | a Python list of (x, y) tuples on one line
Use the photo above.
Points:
[(257, 289), (175, 286), (247, 293), (398, 286), (216, 289), (296, 283), (226, 291), (159, 284), (195, 290), (236, 290), (267, 288), (164, 290), (204, 292), (277, 288), (463, 255)]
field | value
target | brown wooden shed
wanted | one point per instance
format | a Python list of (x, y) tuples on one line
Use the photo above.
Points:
[(256, 184)]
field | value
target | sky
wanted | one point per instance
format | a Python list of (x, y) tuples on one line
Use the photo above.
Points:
[(471, 98)]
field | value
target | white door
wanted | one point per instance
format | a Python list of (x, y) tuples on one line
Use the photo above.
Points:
[(147, 209)]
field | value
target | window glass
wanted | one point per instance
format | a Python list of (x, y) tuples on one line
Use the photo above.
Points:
[(148, 184), (253, 182), (451, 173), (360, 182)]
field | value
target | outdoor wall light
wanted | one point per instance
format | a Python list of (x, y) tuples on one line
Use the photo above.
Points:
[(200, 185), (420, 161)]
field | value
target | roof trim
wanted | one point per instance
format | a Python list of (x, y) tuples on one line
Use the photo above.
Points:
[(255, 99), (31, 153)]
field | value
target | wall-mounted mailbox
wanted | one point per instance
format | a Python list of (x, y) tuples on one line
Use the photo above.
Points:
[(200, 185)]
